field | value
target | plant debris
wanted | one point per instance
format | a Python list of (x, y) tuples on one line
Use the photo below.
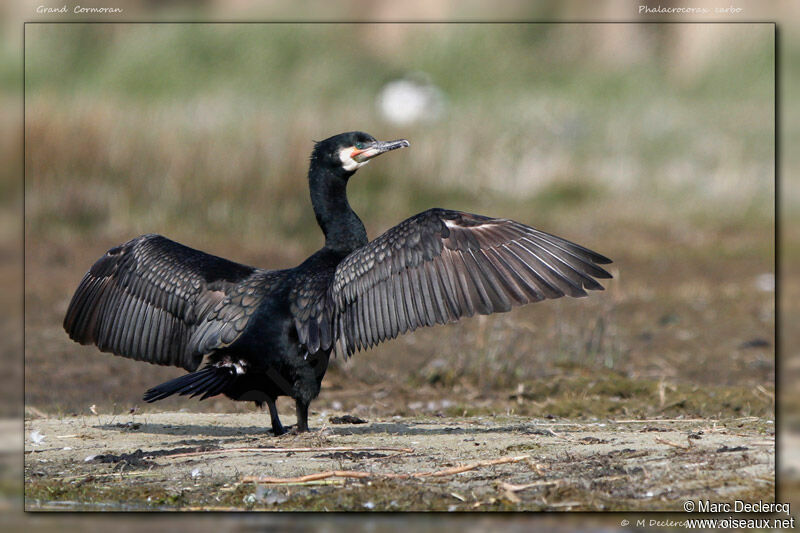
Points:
[(724, 449), (356, 474), (346, 419)]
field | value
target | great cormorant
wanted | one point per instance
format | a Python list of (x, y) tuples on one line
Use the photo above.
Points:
[(270, 333)]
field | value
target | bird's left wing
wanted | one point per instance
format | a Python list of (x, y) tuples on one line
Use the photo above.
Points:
[(441, 265), (155, 300)]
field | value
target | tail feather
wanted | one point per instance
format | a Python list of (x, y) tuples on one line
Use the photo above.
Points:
[(199, 385), (209, 381), (209, 393), (215, 390)]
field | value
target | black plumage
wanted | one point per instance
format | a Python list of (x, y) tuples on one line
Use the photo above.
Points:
[(269, 333)]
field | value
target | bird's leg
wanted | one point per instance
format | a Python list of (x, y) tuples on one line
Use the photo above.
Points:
[(277, 427), (302, 416)]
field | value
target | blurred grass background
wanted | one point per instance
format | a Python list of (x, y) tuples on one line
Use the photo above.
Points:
[(226, 114), (652, 144)]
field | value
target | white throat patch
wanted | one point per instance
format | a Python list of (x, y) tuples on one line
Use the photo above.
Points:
[(348, 163)]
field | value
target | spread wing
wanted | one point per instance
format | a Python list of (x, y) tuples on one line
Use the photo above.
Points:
[(155, 300), (441, 265)]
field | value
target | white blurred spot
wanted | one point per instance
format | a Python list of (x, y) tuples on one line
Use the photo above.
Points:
[(196, 473), (37, 437), (765, 282), (409, 100), (336, 405), (369, 505)]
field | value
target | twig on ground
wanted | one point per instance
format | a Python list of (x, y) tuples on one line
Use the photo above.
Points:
[(510, 496), (673, 444), (37, 450), (293, 450), (651, 420), (361, 475), (149, 471), (313, 477), (509, 490), (537, 467), (210, 508), (517, 488), (473, 466), (565, 504)]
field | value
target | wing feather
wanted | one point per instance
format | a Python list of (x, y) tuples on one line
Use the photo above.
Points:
[(383, 309), (439, 266), (158, 301), (408, 300)]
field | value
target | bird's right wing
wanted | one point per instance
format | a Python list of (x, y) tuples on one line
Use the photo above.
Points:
[(156, 300), (441, 265)]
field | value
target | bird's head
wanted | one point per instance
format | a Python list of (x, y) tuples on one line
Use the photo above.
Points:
[(347, 152)]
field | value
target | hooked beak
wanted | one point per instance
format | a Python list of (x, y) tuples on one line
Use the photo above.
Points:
[(377, 148)]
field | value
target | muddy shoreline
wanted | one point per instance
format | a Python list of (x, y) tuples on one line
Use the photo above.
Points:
[(192, 461)]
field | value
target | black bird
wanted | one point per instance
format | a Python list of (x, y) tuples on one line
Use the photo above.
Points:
[(270, 333)]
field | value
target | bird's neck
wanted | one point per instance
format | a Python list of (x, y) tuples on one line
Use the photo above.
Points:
[(343, 230)]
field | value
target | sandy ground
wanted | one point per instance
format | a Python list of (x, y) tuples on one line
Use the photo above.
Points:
[(137, 462)]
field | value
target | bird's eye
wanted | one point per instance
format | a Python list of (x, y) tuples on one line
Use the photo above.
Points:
[(360, 146)]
